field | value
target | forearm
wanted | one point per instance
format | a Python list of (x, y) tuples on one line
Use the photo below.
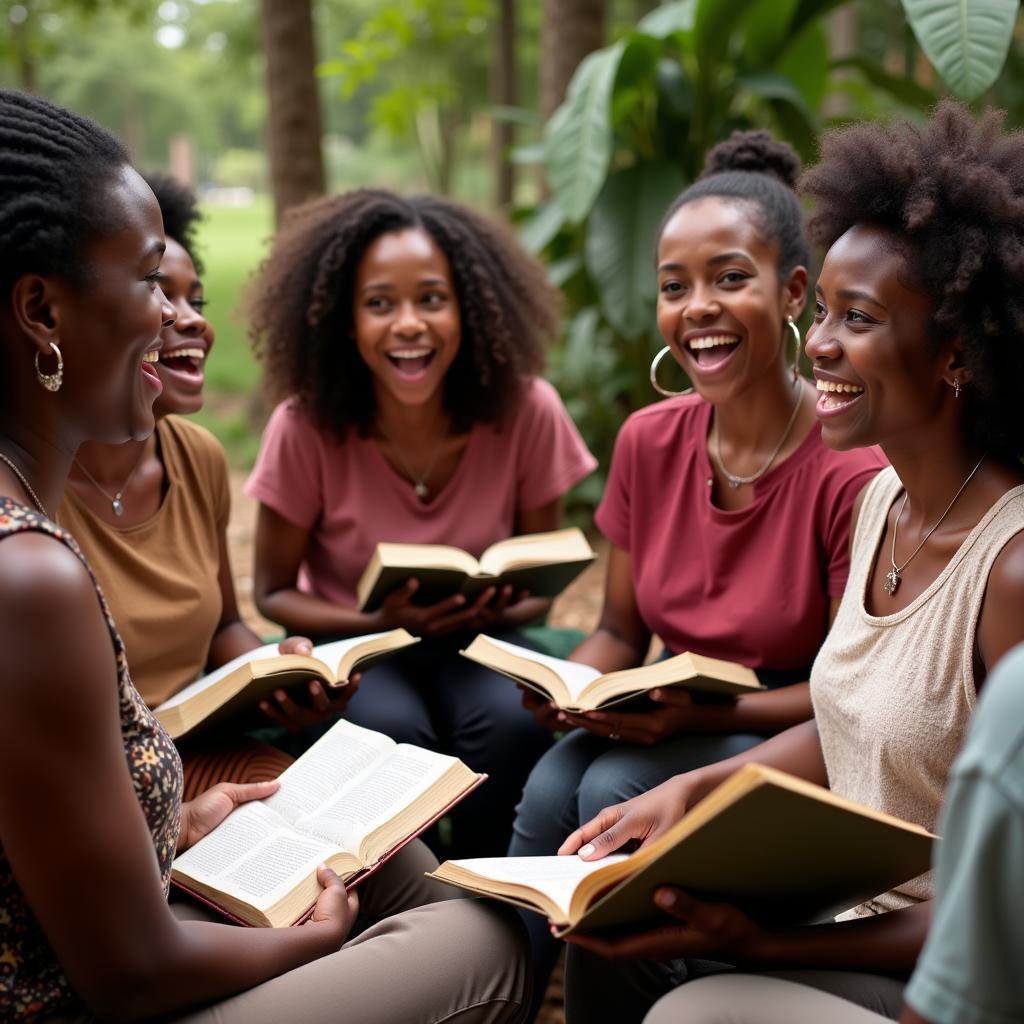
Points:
[(231, 640), (882, 944), (607, 651), (530, 609), (764, 714), (309, 615)]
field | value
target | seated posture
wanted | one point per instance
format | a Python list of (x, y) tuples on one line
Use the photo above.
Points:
[(151, 518), (91, 813), (914, 349), (404, 337), (728, 516)]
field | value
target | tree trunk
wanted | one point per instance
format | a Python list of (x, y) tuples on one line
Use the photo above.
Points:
[(571, 30), (504, 92), (294, 125)]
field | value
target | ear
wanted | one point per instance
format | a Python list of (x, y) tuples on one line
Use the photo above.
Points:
[(794, 293), (36, 306), (953, 365)]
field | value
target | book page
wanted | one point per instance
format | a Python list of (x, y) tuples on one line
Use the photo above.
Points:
[(332, 653), (339, 757), (374, 798), (556, 877), (575, 675), (266, 651), (568, 545)]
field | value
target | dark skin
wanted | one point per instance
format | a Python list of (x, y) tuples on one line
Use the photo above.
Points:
[(122, 949), (869, 333), (716, 277), (405, 301), (186, 344)]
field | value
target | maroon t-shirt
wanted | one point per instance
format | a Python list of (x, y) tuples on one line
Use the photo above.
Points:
[(751, 585)]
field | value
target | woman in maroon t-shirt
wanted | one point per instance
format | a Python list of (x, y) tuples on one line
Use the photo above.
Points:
[(728, 517)]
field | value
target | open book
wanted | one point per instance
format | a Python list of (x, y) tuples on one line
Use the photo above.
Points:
[(542, 563), (353, 799), (250, 677), (576, 687), (785, 850)]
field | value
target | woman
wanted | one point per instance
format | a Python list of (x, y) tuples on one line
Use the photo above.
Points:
[(85, 769), (727, 515), (151, 518), (405, 337), (915, 348)]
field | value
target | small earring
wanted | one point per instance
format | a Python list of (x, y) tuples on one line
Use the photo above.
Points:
[(956, 387), (51, 381), (797, 343), (654, 377)]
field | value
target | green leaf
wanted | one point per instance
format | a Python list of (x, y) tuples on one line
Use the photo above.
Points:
[(560, 271), (804, 62), (795, 118), (668, 19), (905, 90), (714, 23), (674, 88), (966, 40), (812, 10), (578, 137), (528, 154), (513, 115), (541, 226), (766, 31), (621, 239)]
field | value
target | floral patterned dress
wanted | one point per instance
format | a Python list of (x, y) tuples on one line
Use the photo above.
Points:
[(32, 983)]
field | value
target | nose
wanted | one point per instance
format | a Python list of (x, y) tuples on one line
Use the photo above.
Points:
[(820, 342), (408, 322), (167, 314), (189, 320), (702, 304)]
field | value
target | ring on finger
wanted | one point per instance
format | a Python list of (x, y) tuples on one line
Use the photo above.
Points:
[(614, 736)]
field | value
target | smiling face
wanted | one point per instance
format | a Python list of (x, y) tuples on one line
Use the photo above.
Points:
[(406, 316), (187, 342), (721, 305), (879, 378), (110, 324)]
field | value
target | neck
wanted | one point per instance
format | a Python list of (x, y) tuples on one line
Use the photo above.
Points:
[(42, 459), (110, 464), (755, 419), (412, 425)]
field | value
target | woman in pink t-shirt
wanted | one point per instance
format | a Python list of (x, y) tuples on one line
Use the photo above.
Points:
[(727, 515), (404, 338)]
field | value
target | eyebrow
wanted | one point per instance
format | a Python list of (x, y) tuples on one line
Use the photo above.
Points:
[(725, 257), (157, 248), (854, 294), (380, 285)]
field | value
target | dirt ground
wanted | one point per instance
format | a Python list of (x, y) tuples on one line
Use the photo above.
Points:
[(578, 607)]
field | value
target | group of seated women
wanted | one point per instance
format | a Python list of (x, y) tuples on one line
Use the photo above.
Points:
[(857, 539)]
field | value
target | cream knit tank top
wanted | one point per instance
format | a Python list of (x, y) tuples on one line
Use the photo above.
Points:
[(892, 694)]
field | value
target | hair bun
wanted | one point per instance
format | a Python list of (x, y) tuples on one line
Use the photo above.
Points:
[(755, 151)]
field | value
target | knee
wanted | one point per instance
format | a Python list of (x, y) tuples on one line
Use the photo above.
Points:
[(606, 782)]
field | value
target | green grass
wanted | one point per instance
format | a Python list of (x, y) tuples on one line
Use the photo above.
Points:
[(232, 241)]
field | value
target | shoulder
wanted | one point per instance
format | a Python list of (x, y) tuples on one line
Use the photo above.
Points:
[(837, 470), (682, 415), (290, 423), (196, 441), (1006, 577), (539, 400)]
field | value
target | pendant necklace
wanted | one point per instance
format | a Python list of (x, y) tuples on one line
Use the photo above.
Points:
[(892, 577), (736, 481), (24, 483), (419, 480), (116, 502)]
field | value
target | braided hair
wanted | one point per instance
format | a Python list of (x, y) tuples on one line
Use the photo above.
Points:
[(50, 207), (179, 206), (951, 192), (302, 308)]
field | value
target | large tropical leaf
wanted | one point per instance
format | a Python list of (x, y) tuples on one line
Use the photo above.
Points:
[(541, 226), (966, 40), (621, 239), (578, 138), (795, 118), (906, 90), (804, 61), (668, 19), (714, 23), (812, 10), (766, 31)]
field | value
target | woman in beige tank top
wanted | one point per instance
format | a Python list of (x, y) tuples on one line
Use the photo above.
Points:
[(916, 347)]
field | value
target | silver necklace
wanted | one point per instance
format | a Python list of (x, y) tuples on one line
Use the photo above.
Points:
[(24, 483), (419, 480), (115, 502), (737, 481), (892, 577)]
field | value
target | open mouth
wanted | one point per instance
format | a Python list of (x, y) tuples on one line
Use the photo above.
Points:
[(410, 362), (712, 350), (187, 361), (147, 364), (834, 395)]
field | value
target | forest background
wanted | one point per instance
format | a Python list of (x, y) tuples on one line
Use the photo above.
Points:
[(577, 119)]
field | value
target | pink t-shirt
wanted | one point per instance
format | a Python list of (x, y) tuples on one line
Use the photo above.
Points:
[(349, 498), (751, 585)]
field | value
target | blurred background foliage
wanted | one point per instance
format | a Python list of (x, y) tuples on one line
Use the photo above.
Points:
[(579, 119)]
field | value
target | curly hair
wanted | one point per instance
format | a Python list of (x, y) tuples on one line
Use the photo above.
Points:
[(179, 206), (51, 208), (754, 168), (302, 308), (952, 194)]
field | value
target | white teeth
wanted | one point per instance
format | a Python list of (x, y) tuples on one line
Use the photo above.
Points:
[(184, 353), (151, 357), (714, 340), (410, 353), (831, 385)]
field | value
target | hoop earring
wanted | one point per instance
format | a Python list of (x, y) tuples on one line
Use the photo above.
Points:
[(654, 377), (51, 381), (797, 343), (956, 387)]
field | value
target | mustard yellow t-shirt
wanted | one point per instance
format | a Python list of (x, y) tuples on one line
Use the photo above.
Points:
[(160, 577)]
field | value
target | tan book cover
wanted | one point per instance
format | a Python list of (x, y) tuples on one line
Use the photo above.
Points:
[(542, 563), (576, 687), (783, 849), (351, 801), (249, 678)]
